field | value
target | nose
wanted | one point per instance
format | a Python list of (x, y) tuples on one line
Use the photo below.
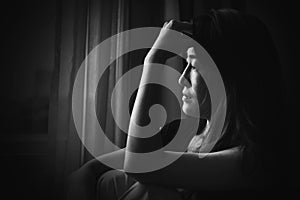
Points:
[(184, 79)]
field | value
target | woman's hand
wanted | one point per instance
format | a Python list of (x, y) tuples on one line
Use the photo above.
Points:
[(169, 39)]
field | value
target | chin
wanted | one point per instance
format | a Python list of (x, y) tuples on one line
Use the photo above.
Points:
[(190, 111)]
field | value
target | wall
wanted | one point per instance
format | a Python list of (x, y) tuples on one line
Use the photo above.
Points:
[(28, 55)]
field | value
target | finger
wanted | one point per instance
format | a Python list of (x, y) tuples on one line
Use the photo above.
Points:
[(165, 24), (170, 24)]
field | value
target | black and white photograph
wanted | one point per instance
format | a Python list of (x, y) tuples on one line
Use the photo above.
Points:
[(149, 99)]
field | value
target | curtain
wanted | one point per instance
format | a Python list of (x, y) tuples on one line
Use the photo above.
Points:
[(106, 18), (69, 52), (80, 26)]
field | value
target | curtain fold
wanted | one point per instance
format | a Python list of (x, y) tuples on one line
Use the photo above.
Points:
[(112, 18), (69, 51), (82, 26)]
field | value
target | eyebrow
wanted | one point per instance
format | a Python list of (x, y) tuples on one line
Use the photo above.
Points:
[(191, 57)]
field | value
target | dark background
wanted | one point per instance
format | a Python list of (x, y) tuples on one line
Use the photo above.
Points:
[(28, 45)]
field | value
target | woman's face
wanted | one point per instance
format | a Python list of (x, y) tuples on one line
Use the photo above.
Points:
[(194, 88)]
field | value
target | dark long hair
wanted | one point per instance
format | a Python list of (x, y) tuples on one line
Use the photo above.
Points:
[(245, 55)]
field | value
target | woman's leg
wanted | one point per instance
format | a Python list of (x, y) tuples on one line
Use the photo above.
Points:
[(82, 183), (113, 184), (140, 191)]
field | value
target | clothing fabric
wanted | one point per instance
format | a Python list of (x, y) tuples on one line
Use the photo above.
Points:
[(117, 185)]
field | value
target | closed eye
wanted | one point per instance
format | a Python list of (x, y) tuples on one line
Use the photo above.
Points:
[(193, 67), (185, 64)]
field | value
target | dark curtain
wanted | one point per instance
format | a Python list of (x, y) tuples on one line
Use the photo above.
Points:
[(81, 26)]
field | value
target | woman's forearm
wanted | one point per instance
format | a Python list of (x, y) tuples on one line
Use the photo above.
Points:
[(213, 171), (146, 97)]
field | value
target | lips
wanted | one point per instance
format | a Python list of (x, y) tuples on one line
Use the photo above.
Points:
[(186, 98)]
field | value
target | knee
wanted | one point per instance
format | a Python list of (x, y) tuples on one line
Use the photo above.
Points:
[(78, 185), (110, 185), (109, 178), (77, 178)]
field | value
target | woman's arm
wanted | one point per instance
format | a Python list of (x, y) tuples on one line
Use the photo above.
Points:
[(219, 170), (213, 171), (146, 93)]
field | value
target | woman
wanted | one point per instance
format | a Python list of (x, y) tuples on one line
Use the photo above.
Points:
[(247, 156)]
